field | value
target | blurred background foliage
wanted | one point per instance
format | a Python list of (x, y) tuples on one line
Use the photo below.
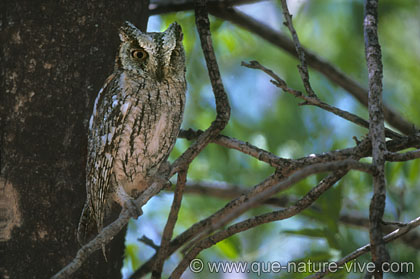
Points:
[(272, 120)]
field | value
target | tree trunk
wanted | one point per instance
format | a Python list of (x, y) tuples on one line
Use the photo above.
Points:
[(55, 57)]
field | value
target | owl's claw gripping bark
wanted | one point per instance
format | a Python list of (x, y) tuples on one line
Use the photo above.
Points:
[(133, 209)]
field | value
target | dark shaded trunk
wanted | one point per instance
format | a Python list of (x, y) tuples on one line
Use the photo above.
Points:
[(55, 57)]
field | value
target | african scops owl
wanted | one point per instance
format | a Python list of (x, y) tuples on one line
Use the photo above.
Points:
[(135, 121)]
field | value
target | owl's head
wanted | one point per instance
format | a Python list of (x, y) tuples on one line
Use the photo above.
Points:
[(156, 55)]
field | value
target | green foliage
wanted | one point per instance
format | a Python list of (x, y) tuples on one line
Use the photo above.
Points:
[(229, 248), (131, 259)]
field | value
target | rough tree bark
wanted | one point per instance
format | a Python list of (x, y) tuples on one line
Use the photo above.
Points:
[(55, 56)]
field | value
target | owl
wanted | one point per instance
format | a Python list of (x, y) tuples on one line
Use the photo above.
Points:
[(135, 121)]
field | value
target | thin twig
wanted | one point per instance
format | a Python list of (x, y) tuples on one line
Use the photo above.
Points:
[(244, 147), (364, 249), (303, 68), (170, 225), (287, 166), (377, 134), (393, 223), (149, 242), (316, 101), (400, 157), (227, 191)]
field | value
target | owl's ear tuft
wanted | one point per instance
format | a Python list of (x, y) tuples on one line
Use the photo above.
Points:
[(129, 32), (175, 29), (123, 36)]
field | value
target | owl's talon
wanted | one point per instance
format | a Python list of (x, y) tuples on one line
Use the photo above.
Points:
[(133, 209)]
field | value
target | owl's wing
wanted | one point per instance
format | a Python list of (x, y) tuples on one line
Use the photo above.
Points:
[(102, 142)]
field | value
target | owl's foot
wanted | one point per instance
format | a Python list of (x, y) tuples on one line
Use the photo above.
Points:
[(133, 209)]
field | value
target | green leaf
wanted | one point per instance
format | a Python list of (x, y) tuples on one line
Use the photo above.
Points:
[(131, 251), (414, 170), (229, 247)]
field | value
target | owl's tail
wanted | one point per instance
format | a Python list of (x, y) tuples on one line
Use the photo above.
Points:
[(87, 226)]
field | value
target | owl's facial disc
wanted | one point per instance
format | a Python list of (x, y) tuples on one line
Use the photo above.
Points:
[(152, 55)]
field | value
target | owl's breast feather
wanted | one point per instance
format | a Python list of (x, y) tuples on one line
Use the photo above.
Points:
[(159, 129), (149, 118)]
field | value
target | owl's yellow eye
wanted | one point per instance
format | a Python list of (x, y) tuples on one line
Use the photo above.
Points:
[(139, 54)]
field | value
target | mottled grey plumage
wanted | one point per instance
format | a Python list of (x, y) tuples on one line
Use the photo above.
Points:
[(135, 121)]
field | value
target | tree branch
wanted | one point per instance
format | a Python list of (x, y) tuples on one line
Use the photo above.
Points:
[(227, 192), (315, 101), (377, 134), (149, 242), (399, 157), (222, 101), (303, 68), (170, 225), (364, 249), (244, 147), (287, 166)]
